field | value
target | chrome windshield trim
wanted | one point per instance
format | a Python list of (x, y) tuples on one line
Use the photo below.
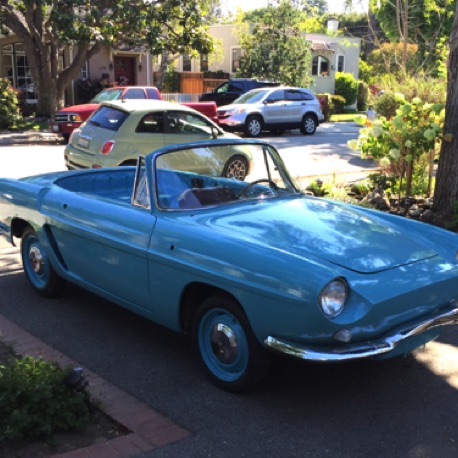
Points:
[(365, 349)]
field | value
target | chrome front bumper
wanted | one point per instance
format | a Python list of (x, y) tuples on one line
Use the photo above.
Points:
[(373, 348)]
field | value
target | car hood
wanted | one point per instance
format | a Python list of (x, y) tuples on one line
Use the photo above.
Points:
[(234, 106), (84, 108), (347, 236)]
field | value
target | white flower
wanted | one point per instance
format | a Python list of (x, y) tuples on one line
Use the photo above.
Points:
[(394, 153)]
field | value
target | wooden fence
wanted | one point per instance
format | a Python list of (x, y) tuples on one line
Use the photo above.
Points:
[(195, 83)]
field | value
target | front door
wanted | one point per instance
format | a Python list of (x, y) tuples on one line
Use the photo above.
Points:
[(124, 70)]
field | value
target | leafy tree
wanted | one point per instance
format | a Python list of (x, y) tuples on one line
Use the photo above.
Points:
[(388, 58), (46, 27), (275, 48), (421, 22), (315, 7)]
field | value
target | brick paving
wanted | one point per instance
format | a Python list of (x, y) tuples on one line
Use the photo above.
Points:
[(149, 429)]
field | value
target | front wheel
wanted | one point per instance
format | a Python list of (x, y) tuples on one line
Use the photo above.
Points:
[(308, 124), (253, 126), (228, 349), (37, 268)]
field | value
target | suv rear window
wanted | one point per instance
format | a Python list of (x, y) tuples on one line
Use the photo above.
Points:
[(107, 94), (153, 93), (108, 118)]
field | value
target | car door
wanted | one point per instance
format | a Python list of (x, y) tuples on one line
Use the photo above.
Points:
[(103, 243), (273, 111), (295, 106), (148, 133), (184, 127)]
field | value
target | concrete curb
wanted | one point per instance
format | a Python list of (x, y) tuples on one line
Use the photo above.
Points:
[(30, 138)]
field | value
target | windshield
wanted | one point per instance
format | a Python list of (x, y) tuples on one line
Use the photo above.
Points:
[(107, 94), (252, 96), (222, 174)]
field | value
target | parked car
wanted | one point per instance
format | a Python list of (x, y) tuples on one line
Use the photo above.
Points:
[(274, 109), (245, 268), (232, 89), (70, 118), (121, 130)]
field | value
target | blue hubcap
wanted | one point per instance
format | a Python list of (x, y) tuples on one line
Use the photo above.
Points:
[(35, 263), (223, 344)]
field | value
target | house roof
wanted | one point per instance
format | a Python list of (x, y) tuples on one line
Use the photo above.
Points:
[(321, 46)]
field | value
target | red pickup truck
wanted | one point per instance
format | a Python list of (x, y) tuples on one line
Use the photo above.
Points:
[(69, 118)]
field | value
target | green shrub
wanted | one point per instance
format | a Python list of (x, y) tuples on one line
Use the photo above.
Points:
[(171, 81), (434, 90), (386, 105), (347, 87), (35, 402), (336, 104), (404, 144), (10, 113)]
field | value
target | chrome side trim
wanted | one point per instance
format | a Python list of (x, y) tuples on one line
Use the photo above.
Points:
[(365, 349)]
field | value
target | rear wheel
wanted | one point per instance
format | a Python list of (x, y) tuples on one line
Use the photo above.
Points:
[(37, 268), (253, 126), (236, 167), (308, 124), (228, 349)]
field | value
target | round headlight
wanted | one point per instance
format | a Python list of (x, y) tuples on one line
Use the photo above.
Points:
[(333, 297)]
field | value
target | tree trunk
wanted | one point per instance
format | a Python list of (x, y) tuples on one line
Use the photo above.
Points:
[(162, 70), (42, 51), (446, 190)]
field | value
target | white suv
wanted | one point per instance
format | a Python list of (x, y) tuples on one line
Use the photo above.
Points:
[(274, 109)]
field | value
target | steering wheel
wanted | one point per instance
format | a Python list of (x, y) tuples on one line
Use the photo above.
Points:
[(244, 191)]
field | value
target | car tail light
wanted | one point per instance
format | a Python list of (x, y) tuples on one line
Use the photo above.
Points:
[(107, 147)]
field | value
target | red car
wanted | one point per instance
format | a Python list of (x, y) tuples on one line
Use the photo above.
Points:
[(68, 119)]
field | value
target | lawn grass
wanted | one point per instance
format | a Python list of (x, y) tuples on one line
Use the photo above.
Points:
[(344, 117)]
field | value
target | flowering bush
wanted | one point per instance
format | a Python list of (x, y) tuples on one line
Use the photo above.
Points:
[(397, 143), (9, 106)]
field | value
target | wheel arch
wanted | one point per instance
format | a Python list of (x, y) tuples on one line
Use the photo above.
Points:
[(256, 114), (128, 162), (18, 226), (311, 113), (193, 295)]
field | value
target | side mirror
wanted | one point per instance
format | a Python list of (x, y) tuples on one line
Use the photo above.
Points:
[(215, 133)]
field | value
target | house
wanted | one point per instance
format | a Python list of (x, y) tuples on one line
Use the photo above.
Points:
[(331, 53)]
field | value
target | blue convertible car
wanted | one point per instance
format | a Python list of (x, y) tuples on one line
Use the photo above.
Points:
[(244, 267)]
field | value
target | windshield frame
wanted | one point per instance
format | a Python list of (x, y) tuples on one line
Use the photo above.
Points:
[(276, 167)]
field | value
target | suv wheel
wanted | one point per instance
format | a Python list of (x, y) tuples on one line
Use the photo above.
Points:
[(253, 126), (308, 125)]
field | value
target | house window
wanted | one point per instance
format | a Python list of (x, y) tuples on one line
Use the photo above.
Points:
[(186, 63), (85, 71), (204, 62), (16, 68), (320, 66), (235, 59), (340, 63)]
